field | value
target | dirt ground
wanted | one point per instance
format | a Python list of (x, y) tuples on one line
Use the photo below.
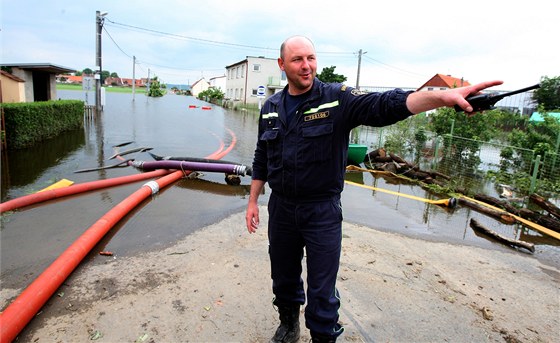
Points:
[(214, 286)]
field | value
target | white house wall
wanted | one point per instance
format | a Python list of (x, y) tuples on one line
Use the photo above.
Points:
[(244, 78)]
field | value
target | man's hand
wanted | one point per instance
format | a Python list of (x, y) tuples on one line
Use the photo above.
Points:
[(465, 92), (252, 217), (422, 101)]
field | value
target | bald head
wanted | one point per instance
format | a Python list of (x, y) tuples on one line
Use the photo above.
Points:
[(294, 41), (298, 61)]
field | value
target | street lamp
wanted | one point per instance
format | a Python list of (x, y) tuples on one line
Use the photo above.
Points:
[(99, 19)]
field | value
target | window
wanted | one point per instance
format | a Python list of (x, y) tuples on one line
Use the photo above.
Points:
[(257, 67), (283, 77), (254, 92), (242, 71)]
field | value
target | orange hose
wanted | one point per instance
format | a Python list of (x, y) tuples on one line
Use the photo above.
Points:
[(35, 198), (18, 314)]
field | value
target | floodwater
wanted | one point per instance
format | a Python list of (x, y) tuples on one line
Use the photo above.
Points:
[(33, 237)]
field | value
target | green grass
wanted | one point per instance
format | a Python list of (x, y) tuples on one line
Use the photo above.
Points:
[(138, 90)]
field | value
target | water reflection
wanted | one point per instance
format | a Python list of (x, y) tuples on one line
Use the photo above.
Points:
[(24, 166), (206, 186)]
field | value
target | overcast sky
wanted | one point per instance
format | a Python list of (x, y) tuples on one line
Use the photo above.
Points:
[(407, 42)]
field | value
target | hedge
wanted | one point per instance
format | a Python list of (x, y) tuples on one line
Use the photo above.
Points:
[(28, 123)]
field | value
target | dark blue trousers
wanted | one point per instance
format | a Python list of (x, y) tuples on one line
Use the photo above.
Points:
[(317, 227)]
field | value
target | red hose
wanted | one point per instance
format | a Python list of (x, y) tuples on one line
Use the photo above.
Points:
[(35, 198), (18, 314), (77, 188)]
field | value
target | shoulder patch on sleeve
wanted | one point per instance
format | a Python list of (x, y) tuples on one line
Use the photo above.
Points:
[(343, 88), (357, 92)]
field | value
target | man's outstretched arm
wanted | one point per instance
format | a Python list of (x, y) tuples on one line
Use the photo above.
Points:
[(418, 102)]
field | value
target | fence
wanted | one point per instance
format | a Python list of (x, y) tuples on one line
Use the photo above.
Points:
[(89, 111), (477, 166)]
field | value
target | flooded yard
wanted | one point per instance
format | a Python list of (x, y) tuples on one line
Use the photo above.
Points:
[(34, 236)]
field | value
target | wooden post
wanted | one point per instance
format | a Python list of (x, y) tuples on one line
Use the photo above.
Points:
[(3, 123)]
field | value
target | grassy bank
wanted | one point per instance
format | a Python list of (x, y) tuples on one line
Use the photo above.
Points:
[(138, 90)]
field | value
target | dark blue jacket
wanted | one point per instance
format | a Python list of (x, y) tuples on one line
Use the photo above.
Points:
[(307, 159)]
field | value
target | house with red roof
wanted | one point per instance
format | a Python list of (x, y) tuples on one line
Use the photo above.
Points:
[(125, 82), (443, 82), (67, 78)]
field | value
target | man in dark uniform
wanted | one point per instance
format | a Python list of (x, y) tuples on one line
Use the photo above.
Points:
[(301, 152)]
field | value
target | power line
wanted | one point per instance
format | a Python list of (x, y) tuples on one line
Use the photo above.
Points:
[(140, 62), (207, 41), (176, 36), (233, 45), (114, 42), (392, 67)]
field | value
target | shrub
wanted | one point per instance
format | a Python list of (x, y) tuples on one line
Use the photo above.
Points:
[(31, 122)]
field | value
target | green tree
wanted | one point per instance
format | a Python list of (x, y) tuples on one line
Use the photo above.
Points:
[(540, 137), (328, 75), (548, 95), (105, 74), (113, 74), (78, 73), (480, 126), (516, 165), (211, 94), (155, 88), (87, 71)]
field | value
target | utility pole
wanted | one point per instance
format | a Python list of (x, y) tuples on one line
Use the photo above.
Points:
[(133, 76), (99, 18), (148, 85), (360, 53)]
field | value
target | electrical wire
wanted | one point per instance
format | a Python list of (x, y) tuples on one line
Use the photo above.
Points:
[(135, 28), (368, 58)]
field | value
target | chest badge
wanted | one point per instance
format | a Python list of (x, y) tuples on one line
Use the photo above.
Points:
[(318, 115)]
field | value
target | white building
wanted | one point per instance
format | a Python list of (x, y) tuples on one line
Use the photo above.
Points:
[(219, 82), (199, 86), (244, 78)]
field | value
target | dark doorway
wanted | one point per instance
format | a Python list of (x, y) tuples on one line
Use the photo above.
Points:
[(41, 86)]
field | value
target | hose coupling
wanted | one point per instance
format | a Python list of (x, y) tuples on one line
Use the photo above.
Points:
[(154, 186)]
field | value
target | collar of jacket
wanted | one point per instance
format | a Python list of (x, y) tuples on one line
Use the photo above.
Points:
[(316, 92)]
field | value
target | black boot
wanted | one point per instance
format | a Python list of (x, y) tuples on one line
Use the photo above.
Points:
[(318, 338), (288, 331)]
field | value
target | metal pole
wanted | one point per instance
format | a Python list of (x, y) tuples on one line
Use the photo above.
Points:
[(98, 60), (133, 76), (98, 78), (535, 173), (359, 66), (360, 53), (148, 85)]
